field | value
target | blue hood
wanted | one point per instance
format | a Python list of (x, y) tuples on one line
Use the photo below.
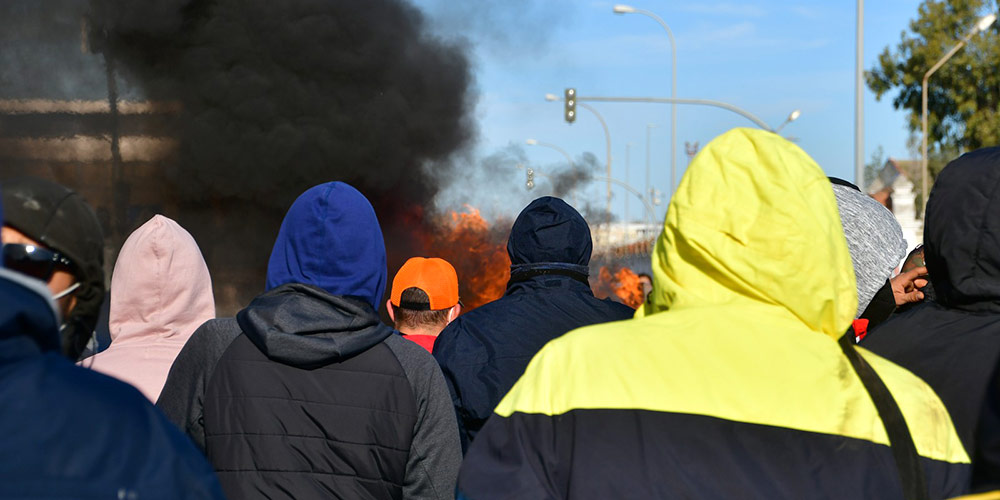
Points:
[(331, 239), (549, 233)]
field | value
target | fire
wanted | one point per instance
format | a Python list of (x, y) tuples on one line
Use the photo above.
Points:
[(477, 250), (624, 285)]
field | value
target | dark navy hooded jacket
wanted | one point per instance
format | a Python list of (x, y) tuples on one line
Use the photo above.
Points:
[(484, 351), (953, 341), (306, 393), (69, 432)]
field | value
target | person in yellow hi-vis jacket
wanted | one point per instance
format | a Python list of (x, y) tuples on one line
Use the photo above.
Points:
[(735, 379)]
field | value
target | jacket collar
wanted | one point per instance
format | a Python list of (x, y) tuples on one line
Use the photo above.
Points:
[(305, 326)]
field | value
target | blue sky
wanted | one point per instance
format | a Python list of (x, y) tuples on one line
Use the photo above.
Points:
[(768, 57)]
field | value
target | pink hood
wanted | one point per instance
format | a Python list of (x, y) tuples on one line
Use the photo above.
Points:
[(161, 293)]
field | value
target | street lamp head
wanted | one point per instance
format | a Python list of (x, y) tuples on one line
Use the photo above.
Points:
[(985, 22), (551, 97), (531, 142), (624, 9), (794, 115)]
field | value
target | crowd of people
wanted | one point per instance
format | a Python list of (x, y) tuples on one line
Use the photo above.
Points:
[(782, 351)]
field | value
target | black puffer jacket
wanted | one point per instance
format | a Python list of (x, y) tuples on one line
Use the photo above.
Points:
[(953, 342), (308, 395), (486, 350)]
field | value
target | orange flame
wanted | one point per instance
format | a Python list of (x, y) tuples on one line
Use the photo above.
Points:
[(478, 252), (624, 285)]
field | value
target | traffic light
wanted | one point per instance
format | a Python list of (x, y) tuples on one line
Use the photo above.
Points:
[(531, 179), (569, 102)]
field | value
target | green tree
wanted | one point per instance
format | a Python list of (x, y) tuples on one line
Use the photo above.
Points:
[(963, 95)]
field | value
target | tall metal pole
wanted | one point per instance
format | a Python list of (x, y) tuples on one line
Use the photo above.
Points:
[(859, 105), (645, 203), (648, 192), (923, 144), (628, 152), (607, 138), (626, 9)]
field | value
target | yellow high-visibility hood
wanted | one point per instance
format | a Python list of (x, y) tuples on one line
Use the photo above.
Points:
[(755, 220)]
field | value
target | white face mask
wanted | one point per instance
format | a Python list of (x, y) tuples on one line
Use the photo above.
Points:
[(70, 289)]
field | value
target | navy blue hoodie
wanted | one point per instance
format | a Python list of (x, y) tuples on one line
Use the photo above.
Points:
[(306, 393), (484, 351)]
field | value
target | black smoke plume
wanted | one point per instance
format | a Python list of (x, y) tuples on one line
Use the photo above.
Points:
[(574, 177), (278, 96)]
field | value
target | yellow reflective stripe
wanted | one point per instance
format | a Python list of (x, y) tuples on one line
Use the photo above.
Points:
[(989, 495), (772, 371)]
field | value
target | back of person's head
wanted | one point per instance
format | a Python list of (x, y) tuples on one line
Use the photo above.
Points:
[(331, 239), (161, 288), (646, 282), (548, 230), (874, 239), (962, 232), (60, 219), (754, 222), (19, 308), (424, 295)]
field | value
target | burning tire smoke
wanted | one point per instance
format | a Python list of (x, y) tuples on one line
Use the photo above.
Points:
[(279, 96)]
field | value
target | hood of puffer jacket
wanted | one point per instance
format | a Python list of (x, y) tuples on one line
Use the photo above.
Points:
[(962, 235), (160, 289), (330, 238), (305, 326), (754, 220)]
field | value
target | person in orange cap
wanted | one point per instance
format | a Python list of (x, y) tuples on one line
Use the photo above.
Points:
[(424, 299)]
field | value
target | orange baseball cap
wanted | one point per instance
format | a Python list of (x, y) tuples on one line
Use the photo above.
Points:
[(436, 277)]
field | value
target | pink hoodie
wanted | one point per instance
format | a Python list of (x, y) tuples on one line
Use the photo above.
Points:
[(161, 293)]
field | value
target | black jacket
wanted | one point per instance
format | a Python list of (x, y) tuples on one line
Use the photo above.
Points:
[(486, 350), (308, 395), (953, 342)]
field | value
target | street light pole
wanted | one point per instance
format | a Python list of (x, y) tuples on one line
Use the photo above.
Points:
[(983, 23), (628, 151), (649, 128), (648, 208), (626, 9), (794, 115), (859, 105), (702, 102), (607, 138)]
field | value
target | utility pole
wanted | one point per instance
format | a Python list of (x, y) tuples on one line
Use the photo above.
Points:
[(859, 104)]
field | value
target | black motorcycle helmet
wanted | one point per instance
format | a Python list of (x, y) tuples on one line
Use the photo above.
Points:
[(60, 219)]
